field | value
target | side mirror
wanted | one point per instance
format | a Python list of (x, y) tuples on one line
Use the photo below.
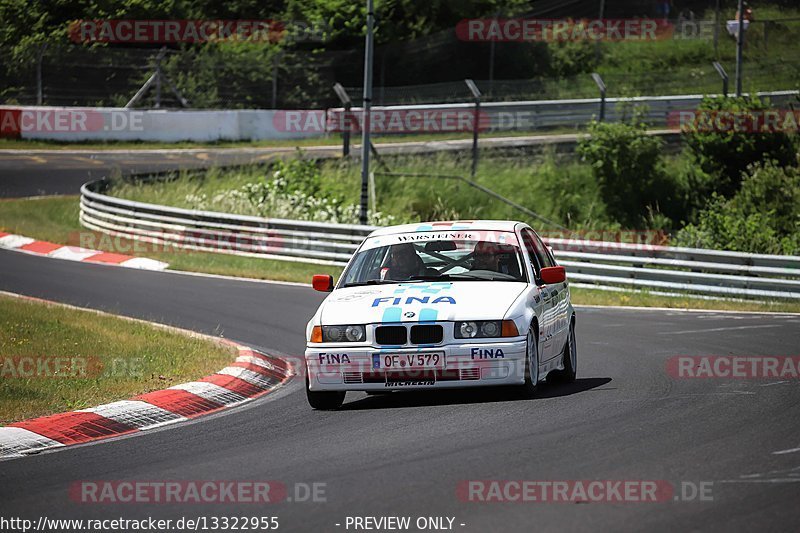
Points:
[(322, 282), (555, 274)]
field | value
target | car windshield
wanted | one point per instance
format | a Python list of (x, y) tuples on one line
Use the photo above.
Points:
[(436, 260)]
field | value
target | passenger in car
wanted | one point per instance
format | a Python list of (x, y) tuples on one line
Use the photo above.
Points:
[(403, 263)]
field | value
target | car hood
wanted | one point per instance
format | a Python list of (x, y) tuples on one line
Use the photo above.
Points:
[(415, 302)]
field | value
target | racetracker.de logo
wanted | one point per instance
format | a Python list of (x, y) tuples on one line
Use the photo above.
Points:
[(16, 121), (581, 491), (733, 366), (172, 492), (562, 30), (382, 121), (717, 121), (192, 31)]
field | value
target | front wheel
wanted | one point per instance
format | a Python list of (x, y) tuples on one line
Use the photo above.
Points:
[(324, 400), (569, 359), (531, 364)]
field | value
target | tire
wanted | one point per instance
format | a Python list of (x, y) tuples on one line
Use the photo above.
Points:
[(324, 400), (531, 362), (569, 359)]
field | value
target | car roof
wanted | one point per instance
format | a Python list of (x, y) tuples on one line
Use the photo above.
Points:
[(452, 225)]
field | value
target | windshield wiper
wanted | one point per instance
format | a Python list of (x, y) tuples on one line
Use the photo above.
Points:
[(443, 277), (465, 276), (378, 282), (368, 282)]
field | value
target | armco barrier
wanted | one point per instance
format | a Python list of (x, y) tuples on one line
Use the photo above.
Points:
[(73, 124), (662, 268)]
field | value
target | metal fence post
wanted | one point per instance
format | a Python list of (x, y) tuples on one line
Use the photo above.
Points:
[(39, 89), (602, 86), (476, 94), (724, 75), (348, 104), (158, 82), (275, 81)]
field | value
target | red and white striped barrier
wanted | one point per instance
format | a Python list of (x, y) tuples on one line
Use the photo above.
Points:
[(251, 375), (75, 253)]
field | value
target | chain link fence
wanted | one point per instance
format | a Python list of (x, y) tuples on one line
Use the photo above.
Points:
[(260, 76)]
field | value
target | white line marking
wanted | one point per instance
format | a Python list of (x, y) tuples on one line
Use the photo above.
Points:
[(777, 314), (731, 328), (771, 384), (776, 480), (783, 452)]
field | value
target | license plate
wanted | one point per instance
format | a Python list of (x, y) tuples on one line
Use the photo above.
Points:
[(407, 361)]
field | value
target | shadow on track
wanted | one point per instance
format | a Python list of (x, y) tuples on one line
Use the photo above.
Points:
[(400, 399)]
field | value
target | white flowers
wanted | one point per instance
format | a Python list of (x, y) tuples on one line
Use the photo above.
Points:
[(274, 199)]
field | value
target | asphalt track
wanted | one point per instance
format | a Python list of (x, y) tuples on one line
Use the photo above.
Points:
[(404, 454)]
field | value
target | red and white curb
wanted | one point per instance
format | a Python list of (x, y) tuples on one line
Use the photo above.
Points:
[(19, 243), (251, 375)]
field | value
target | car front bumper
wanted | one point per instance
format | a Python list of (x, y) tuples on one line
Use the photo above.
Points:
[(471, 364)]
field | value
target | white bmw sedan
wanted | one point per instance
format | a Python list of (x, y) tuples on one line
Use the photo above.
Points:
[(441, 305)]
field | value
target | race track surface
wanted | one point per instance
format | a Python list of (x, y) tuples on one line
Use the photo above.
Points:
[(404, 454)]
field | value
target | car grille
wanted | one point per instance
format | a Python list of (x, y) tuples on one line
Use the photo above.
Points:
[(393, 335), (426, 334), (398, 335)]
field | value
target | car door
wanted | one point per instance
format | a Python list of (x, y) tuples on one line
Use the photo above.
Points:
[(560, 301), (547, 325)]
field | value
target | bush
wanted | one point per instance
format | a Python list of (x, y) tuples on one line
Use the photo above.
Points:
[(628, 166), (761, 218), (726, 155)]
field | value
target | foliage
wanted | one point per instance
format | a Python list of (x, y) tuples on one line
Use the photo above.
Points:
[(629, 168), (762, 217), (725, 155)]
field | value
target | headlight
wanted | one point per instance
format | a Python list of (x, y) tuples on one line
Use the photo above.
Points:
[(486, 329), (354, 333)]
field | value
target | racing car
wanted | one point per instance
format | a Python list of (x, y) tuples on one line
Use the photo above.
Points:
[(441, 305)]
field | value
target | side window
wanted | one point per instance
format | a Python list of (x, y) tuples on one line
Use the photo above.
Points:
[(529, 240), (549, 260)]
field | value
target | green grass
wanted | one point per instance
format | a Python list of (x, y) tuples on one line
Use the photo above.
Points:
[(558, 190), (584, 296), (120, 358), (328, 140), (55, 219)]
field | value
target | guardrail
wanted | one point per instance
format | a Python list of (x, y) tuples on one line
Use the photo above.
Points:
[(534, 115), (658, 268)]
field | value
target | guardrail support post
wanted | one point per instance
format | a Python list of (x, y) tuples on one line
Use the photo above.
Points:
[(602, 86), (348, 104), (724, 75), (476, 94)]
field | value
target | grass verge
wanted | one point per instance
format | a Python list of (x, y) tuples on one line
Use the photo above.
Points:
[(102, 359), (328, 140), (55, 219)]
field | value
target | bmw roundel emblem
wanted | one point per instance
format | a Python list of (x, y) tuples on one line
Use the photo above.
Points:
[(410, 314)]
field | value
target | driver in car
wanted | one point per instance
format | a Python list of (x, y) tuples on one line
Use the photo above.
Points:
[(485, 257), (403, 263)]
